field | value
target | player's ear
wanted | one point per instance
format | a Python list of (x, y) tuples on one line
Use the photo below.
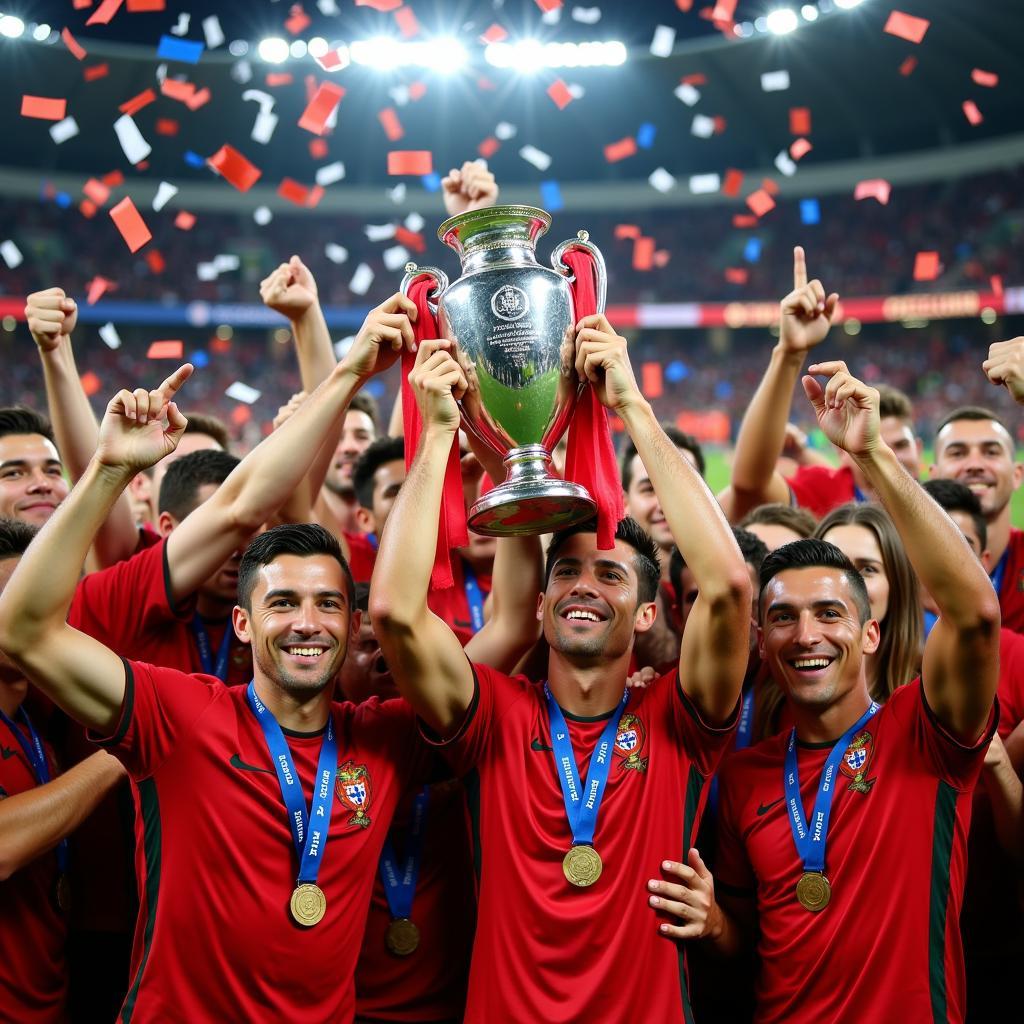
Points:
[(646, 614), (240, 622)]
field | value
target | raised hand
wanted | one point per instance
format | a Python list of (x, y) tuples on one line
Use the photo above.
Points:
[(438, 382), (689, 897), (385, 331), (51, 316), (470, 187), (1005, 366), (290, 290), (806, 313), (846, 408), (601, 359), (132, 435)]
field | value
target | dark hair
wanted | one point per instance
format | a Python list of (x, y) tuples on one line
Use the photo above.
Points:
[(893, 402), (363, 401), (954, 496), (799, 520), (19, 419), (15, 537), (179, 491), (812, 554), (646, 563), (210, 426), (680, 439), (384, 449), (972, 412), (361, 600), (302, 539)]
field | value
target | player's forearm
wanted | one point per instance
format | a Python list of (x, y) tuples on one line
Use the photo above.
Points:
[(313, 348), (725, 935), (34, 822), (1006, 796)]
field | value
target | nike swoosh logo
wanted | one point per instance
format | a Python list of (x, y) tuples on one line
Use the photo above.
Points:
[(537, 745), (765, 808), (6, 752), (237, 762)]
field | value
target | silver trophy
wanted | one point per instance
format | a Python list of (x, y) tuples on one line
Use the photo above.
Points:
[(512, 324)]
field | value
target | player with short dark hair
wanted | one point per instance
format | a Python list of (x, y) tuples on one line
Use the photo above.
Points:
[(32, 482), (777, 524), (181, 491)]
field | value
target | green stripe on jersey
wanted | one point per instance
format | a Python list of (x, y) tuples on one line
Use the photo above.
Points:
[(942, 852), (152, 849), (694, 785)]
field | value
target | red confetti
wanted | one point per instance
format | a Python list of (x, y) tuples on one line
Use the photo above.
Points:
[(770, 186), (90, 383), (331, 60), (926, 266), (316, 115), (299, 194), (157, 264), (407, 23), (989, 79), (97, 191), (143, 6), (616, 151), (44, 108), (175, 90), (136, 103), (643, 253), (410, 239), (130, 223), (907, 67), (113, 178), (800, 121), (234, 168), (240, 415), (760, 202), (495, 34), (737, 275), (484, 83), (97, 288), (298, 20), (906, 26), (652, 383), (410, 161), (81, 5), (167, 126), (996, 282), (184, 220), (544, 5), (198, 99), (800, 148), (661, 258), (90, 74), (724, 10), (73, 45), (166, 350), (684, 5), (488, 147), (744, 220), (559, 93), (417, 90), (380, 5), (732, 183), (627, 231), (972, 113), (393, 129), (698, 78), (873, 188), (105, 12), (318, 148), (276, 78)]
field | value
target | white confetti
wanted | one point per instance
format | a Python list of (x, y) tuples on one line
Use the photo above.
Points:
[(135, 147), (161, 72), (663, 41), (335, 253), (785, 164), (395, 257), (328, 8), (64, 130), (399, 94), (414, 222), (226, 261), (702, 184), (11, 254), (552, 16), (775, 81), (688, 94), (576, 91), (397, 194), (263, 127), (241, 71), (262, 215), (242, 393), (534, 156), (586, 15), (213, 32), (206, 272), (108, 332), (264, 99), (505, 131), (662, 180), (330, 173), (361, 280), (703, 127), (380, 232), (182, 27), (164, 194)]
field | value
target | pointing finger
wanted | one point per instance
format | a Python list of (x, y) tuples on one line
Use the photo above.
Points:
[(799, 267)]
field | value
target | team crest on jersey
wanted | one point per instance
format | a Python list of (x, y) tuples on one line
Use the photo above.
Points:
[(630, 741), (857, 760), (353, 790)]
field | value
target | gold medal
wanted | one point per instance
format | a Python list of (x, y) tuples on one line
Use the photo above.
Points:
[(308, 905), (62, 893), (813, 891), (582, 865), (403, 937)]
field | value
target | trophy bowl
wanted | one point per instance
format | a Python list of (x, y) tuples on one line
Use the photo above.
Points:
[(512, 323)]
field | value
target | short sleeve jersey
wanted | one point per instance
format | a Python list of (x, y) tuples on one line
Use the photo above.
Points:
[(546, 950), (453, 604), (215, 857), (887, 946), (819, 489), (33, 969), (1011, 681), (1011, 592)]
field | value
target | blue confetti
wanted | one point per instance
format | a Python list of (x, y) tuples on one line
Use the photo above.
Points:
[(752, 250), (375, 388), (723, 390), (194, 159), (199, 358), (551, 196), (63, 200), (676, 371), (432, 181), (810, 211), (645, 136), (183, 50)]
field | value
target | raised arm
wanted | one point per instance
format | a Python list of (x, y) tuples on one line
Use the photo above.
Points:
[(805, 315), (266, 477), (714, 649), (961, 655), (81, 675), (51, 317), (426, 659)]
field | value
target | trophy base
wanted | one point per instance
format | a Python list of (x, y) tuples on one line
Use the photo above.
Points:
[(531, 501)]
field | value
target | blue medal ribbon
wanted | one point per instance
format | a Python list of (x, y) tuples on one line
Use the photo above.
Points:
[(745, 730), (400, 880), (582, 803), (36, 757), (220, 670), (810, 838), (474, 597), (310, 828), (1000, 571)]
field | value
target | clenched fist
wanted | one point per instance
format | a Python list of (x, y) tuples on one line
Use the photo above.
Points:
[(51, 316)]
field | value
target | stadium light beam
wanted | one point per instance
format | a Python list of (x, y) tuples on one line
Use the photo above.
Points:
[(273, 50), (847, 5), (442, 54), (529, 55), (782, 21), (11, 26)]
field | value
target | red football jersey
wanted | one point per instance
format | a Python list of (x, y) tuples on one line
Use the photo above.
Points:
[(215, 858), (452, 603), (1011, 592), (361, 556), (546, 950), (429, 984), (819, 489), (1011, 681), (33, 968), (887, 946)]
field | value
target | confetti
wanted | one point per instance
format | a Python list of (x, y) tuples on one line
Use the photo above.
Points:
[(242, 393), (177, 90), (330, 173), (263, 127), (415, 221), (44, 108), (234, 168), (156, 262), (733, 183), (225, 262), (181, 26), (184, 220), (135, 147), (335, 253), (97, 191), (907, 67), (417, 90), (167, 126), (800, 121), (129, 222), (407, 23), (91, 384), (551, 196), (643, 253), (105, 12), (627, 231), (321, 107), (775, 81), (410, 238), (73, 45), (661, 180), (586, 15), (395, 257), (906, 26), (212, 32), (143, 6), (799, 148), (361, 279), (703, 127), (318, 148), (785, 164), (723, 10), (96, 71), (97, 288), (737, 275), (972, 113), (334, 60), (988, 79), (996, 283), (495, 34), (752, 250), (298, 20), (164, 194), (616, 151), (109, 336), (744, 220), (873, 188), (262, 215), (645, 135), (11, 254), (393, 129), (379, 232), (926, 265), (166, 349), (810, 211), (301, 195), (544, 5), (183, 50), (760, 202), (663, 42), (136, 103), (704, 184), (488, 147), (534, 156), (410, 161), (559, 93), (64, 130), (276, 78), (112, 179), (688, 94)]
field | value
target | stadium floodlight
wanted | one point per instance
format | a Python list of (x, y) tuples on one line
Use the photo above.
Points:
[(11, 26), (847, 4), (317, 46), (782, 21), (273, 50), (41, 33), (443, 54), (809, 12), (298, 49), (529, 55)]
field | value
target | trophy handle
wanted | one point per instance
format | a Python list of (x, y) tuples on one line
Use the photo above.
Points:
[(412, 271), (582, 241)]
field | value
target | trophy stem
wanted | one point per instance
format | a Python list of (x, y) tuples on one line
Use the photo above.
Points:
[(532, 500)]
